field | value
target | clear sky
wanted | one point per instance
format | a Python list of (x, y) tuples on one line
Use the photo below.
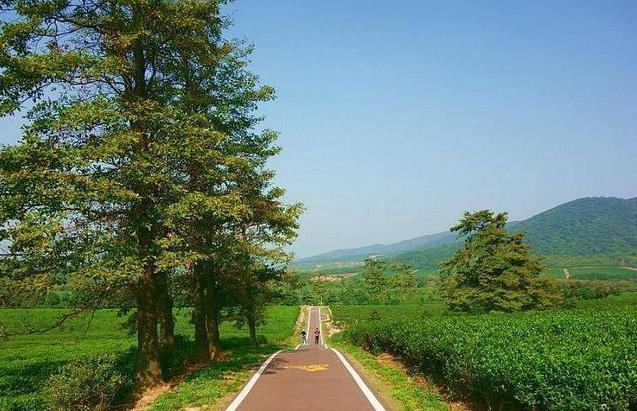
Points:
[(397, 116)]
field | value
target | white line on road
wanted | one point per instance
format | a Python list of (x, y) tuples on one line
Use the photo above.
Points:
[(320, 326), (309, 318), (361, 384), (246, 390)]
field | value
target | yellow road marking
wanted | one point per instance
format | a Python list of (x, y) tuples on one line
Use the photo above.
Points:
[(309, 367)]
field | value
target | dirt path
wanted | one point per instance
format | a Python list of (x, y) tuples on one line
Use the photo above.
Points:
[(311, 377)]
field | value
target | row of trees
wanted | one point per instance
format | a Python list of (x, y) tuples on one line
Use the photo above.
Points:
[(140, 175)]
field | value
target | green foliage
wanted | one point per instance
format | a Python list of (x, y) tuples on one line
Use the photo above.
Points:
[(409, 393), (86, 384), (27, 361), (566, 359), (584, 232), (375, 279), (495, 270), (602, 273), (404, 276), (206, 387), (588, 290), (352, 314), (141, 171)]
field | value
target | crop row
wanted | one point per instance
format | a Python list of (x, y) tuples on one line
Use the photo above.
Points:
[(560, 360)]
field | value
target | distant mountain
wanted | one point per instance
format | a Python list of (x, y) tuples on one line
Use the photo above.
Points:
[(596, 225), (359, 254), (588, 226)]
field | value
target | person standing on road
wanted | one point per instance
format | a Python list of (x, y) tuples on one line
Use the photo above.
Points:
[(303, 337), (317, 334)]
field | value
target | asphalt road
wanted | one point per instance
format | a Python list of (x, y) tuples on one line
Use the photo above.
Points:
[(312, 377)]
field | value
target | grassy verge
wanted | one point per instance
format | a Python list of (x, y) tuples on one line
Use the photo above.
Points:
[(398, 389), (212, 386)]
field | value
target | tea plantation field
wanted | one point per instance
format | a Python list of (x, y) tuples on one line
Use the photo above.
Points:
[(27, 361), (596, 273), (570, 359)]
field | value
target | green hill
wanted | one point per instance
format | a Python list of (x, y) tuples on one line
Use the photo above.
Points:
[(584, 227), (588, 231)]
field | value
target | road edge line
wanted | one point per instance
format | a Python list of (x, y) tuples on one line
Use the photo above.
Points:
[(322, 341), (309, 318), (361, 384), (246, 390)]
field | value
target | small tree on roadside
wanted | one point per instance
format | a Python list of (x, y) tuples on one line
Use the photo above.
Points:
[(495, 270)]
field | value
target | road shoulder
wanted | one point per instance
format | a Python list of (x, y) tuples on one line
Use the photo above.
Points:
[(394, 387)]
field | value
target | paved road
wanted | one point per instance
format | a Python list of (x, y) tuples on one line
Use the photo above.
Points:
[(311, 378)]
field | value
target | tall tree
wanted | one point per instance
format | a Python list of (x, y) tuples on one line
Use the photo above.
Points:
[(231, 213), (495, 270), (141, 122)]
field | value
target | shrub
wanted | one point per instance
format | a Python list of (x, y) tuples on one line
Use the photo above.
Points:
[(560, 360), (87, 384), (589, 290)]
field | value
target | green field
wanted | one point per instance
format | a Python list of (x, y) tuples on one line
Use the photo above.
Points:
[(602, 273), (27, 361), (582, 358), (351, 314), (595, 273)]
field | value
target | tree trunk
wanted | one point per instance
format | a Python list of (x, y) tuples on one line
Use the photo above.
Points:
[(165, 312), (212, 317), (148, 367), (199, 317), (252, 326)]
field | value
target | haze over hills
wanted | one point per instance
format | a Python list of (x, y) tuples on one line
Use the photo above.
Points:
[(587, 226), (358, 254)]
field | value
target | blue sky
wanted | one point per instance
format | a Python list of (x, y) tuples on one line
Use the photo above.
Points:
[(398, 116)]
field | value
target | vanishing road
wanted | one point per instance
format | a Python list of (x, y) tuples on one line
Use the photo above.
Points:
[(311, 377)]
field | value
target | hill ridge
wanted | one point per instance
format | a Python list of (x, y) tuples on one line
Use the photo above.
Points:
[(587, 225)]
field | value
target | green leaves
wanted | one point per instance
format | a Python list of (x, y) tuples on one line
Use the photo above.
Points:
[(141, 160), (558, 360), (495, 270)]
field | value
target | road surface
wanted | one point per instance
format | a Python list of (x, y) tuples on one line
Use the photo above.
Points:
[(312, 377)]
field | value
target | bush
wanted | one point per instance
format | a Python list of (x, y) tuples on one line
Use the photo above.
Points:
[(87, 384), (589, 290), (560, 360)]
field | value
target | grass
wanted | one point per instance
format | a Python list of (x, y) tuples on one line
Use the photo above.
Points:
[(211, 385), (405, 392), (27, 361)]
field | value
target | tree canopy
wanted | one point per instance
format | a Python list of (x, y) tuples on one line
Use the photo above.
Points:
[(495, 270), (140, 172)]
